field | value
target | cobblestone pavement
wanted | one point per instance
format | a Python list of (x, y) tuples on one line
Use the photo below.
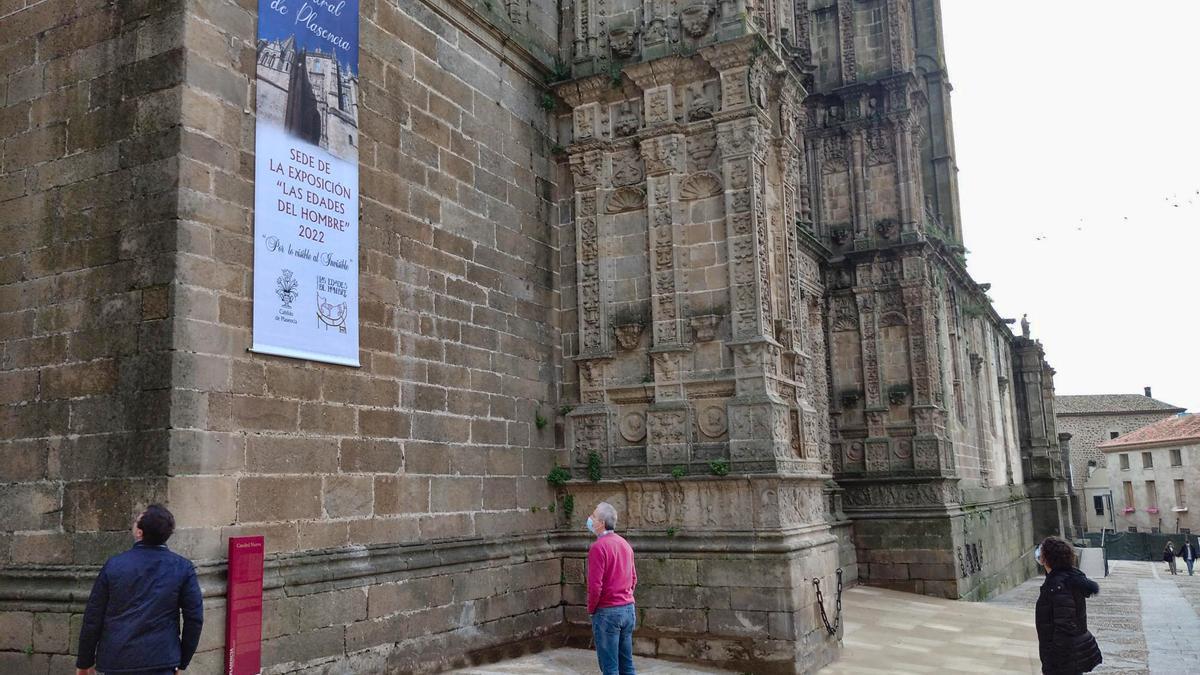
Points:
[(1144, 619)]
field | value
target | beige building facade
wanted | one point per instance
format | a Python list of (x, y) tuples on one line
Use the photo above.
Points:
[(1154, 476), (706, 259)]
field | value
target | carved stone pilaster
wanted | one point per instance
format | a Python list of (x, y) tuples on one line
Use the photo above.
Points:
[(664, 160), (588, 437), (865, 299), (845, 11), (588, 170), (743, 167)]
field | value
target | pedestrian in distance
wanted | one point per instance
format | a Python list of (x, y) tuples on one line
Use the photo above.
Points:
[(1169, 557), (1064, 643), (131, 623), (1188, 553), (611, 578)]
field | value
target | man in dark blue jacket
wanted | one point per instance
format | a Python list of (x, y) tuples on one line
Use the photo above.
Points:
[(131, 624)]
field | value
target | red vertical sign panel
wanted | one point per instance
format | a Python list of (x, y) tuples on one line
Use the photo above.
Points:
[(244, 606)]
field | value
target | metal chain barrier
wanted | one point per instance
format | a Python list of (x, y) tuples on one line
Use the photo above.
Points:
[(837, 623)]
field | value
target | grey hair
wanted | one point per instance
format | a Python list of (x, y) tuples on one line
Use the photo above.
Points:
[(608, 514)]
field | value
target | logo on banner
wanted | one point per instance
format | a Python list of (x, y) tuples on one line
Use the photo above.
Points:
[(287, 288), (330, 315)]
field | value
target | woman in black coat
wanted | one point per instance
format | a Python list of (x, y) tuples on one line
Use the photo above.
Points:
[(1169, 557), (1064, 643)]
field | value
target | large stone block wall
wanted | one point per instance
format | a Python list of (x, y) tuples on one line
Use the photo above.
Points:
[(969, 553), (128, 175), (89, 126)]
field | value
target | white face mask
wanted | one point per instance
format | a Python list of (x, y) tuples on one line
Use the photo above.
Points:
[(591, 525)]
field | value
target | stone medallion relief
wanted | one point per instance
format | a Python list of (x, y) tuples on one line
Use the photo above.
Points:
[(712, 419)]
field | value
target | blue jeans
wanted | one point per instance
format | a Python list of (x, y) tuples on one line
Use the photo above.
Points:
[(1189, 564), (612, 628)]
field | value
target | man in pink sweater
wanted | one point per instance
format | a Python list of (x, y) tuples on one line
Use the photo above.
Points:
[(611, 579)]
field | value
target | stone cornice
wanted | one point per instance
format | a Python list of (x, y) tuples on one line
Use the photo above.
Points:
[(55, 588)]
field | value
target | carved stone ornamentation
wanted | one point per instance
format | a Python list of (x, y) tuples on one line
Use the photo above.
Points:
[(899, 495), (700, 185), (627, 168), (623, 42), (696, 19), (700, 105), (628, 335), (632, 426), (845, 314), (626, 199), (658, 105), (881, 148), (662, 154), (667, 428), (712, 420), (586, 169), (626, 120), (887, 228), (834, 156), (705, 326), (585, 119)]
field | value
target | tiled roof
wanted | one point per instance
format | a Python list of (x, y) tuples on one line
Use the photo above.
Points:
[(1098, 404), (1177, 429)]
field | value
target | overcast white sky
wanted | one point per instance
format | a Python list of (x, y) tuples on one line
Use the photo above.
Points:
[(1078, 141)]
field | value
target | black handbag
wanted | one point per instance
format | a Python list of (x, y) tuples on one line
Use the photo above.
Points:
[(1087, 652)]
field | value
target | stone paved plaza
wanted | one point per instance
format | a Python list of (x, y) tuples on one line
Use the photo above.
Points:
[(1145, 620), (886, 632)]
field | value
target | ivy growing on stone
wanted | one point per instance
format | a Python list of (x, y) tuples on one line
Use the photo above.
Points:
[(568, 507), (559, 476)]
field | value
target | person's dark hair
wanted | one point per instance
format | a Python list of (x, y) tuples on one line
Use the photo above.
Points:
[(157, 524), (1058, 553)]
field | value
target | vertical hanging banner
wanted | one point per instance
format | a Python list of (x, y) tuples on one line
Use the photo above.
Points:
[(244, 606), (306, 181)]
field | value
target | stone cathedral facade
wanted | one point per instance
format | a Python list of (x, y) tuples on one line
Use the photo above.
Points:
[(706, 256)]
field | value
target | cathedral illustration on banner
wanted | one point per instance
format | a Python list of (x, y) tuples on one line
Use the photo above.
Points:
[(310, 94)]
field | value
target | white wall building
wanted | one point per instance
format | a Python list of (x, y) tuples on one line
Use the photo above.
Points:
[(1154, 476)]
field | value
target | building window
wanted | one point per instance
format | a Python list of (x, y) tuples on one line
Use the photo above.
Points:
[(1128, 485), (1133, 528), (1098, 504), (1151, 493), (1180, 496), (1124, 462), (1147, 460), (1113, 434), (1176, 457)]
